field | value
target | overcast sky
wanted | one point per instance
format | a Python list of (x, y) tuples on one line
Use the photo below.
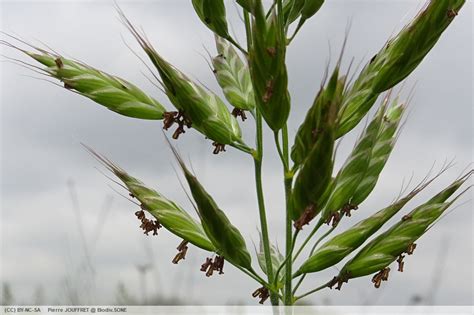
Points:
[(42, 126)]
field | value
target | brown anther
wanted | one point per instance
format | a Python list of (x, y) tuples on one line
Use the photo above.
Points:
[(347, 208), (236, 112), (178, 131), (400, 262), (182, 248), (385, 273), (214, 71), (262, 293), (335, 217), (406, 217), (210, 271), (411, 248), (169, 118), (182, 245), (377, 280), (305, 217), (333, 282), (257, 292), (59, 63), (68, 86), (218, 264), (131, 195), (218, 147), (382, 275), (339, 280), (206, 264), (452, 13), (271, 51), (268, 91), (140, 214)]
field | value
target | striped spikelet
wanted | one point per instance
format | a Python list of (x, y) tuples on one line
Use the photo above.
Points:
[(169, 214), (227, 239), (201, 108), (341, 245), (353, 170), (308, 131), (114, 93), (380, 153), (396, 60), (268, 69), (379, 253), (233, 75)]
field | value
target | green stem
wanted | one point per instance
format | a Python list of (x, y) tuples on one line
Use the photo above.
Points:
[(258, 156), (315, 229), (312, 291), (311, 253)]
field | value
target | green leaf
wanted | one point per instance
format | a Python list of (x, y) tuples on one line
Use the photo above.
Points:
[(276, 258)]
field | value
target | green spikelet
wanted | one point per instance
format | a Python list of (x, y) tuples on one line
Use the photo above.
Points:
[(400, 238), (202, 109), (248, 5), (233, 76), (171, 216), (292, 10), (227, 239), (268, 69), (396, 60), (212, 14), (353, 171), (341, 245), (380, 153), (308, 130), (315, 175), (114, 93)]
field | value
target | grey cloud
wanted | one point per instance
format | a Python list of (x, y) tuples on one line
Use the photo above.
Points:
[(42, 127)]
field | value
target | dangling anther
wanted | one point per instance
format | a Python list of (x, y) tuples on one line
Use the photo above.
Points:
[(178, 131), (400, 262), (218, 147), (305, 217), (182, 250), (206, 264), (411, 248), (335, 217), (347, 208), (236, 112), (218, 264), (333, 282), (169, 118), (341, 279), (262, 293), (382, 275)]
